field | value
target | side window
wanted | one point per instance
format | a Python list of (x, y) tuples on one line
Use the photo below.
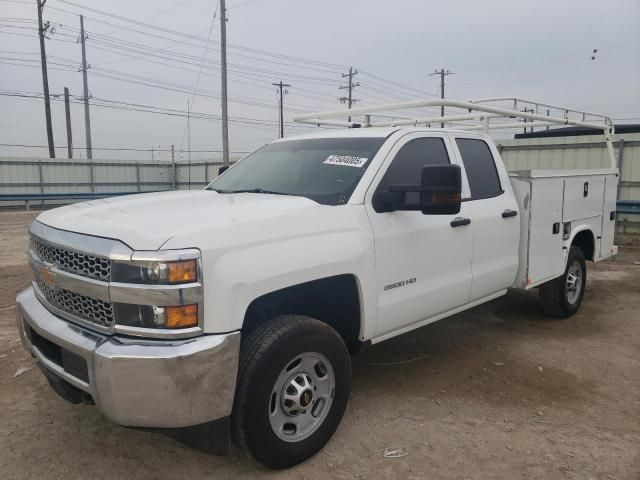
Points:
[(406, 167), (480, 167)]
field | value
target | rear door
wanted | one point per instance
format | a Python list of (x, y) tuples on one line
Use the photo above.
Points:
[(423, 263), (496, 226)]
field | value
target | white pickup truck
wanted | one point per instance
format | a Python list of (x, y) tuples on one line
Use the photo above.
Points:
[(234, 309)]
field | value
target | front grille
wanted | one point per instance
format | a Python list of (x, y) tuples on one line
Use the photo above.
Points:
[(91, 266), (86, 308)]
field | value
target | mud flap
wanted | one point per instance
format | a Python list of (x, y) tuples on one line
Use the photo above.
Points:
[(211, 437)]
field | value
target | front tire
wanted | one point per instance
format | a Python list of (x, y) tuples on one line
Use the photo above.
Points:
[(293, 385), (562, 296)]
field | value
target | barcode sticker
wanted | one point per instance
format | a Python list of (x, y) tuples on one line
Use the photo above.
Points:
[(346, 160)]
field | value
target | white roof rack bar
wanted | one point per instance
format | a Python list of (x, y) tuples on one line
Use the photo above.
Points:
[(319, 118), (445, 119), (480, 111), (516, 100), (501, 126)]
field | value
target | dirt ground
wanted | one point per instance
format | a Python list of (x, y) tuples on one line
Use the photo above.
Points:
[(497, 392)]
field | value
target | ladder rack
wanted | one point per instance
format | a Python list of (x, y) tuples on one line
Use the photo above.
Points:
[(482, 115)]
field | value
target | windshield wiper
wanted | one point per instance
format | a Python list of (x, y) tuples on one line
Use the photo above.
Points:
[(253, 190)]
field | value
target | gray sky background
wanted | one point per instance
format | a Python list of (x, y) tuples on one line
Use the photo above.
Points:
[(533, 49)]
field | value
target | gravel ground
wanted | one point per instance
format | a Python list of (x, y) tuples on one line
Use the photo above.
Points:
[(497, 392)]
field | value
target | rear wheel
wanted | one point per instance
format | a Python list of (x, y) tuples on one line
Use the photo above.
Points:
[(562, 296), (293, 386)]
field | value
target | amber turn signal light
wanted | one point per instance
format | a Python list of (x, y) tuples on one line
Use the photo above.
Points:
[(446, 198), (184, 316), (182, 272)]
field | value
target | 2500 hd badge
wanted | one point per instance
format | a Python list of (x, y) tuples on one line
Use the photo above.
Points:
[(400, 284)]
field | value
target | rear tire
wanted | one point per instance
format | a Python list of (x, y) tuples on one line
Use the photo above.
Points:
[(562, 296), (293, 385)]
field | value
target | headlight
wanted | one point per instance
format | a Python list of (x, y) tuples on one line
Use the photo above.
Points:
[(158, 273), (155, 291), (150, 316)]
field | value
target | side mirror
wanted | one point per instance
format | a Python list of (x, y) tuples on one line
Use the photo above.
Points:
[(439, 193), (223, 169)]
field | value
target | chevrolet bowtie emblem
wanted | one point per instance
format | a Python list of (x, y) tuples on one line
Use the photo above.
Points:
[(48, 276)]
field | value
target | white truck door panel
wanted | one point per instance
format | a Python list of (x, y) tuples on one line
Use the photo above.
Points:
[(496, 226), (495, 245), (423, 264)]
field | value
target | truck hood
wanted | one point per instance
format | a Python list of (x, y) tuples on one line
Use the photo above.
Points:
[(148, 221)]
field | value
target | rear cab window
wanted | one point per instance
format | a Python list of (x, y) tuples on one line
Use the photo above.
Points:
[(480, 167)]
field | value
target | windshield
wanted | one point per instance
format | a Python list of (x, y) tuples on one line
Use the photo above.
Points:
[(325, 170)]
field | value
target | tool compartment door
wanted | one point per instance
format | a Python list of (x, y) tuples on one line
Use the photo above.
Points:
[(546, 257), (583, 197), (608, 215)]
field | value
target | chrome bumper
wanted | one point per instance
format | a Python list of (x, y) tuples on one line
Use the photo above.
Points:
[(135, 382)]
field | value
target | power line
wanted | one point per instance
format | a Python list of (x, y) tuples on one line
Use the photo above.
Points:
[(162, 12), (414, 91), (204, 53), (111, 73), (195, 37), (120, 105)]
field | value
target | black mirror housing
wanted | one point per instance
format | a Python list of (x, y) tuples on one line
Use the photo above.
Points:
[(439, 193), (223, 169), (442, 186)]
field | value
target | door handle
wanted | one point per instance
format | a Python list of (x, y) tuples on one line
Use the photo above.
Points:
[(460, 221), (509, 213)]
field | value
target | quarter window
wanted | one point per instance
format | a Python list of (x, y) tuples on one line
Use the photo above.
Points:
[(406, 167), (480, 167)]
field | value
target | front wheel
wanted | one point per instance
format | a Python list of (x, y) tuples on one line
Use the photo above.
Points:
[(293, 386), (562, 296)]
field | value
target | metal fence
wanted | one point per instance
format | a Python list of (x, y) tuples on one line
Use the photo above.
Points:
[(69, 176)]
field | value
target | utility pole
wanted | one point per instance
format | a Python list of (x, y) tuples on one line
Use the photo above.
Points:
[(67, 113), (443, 73), (189, 139), (349, 100), (280, 86), (174, 173), (527, 110), (85, 89), (45, 79), (223, 69), (548, 125)]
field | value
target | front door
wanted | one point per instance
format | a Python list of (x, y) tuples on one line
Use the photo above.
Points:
[(423, 262)]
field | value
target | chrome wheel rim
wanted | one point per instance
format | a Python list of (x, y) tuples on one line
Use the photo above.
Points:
[(573, 285), (301, 397)]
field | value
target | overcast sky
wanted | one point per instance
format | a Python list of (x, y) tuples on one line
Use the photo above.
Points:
[(538, 49)]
